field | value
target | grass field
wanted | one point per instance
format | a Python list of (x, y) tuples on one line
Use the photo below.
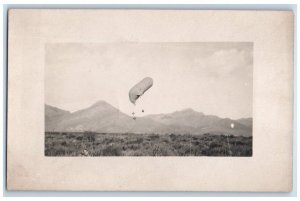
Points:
[(98, 144)]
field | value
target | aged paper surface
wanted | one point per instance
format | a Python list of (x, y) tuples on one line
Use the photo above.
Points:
[(269, 168)]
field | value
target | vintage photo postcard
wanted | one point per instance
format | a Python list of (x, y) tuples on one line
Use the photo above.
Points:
[(150, 100)]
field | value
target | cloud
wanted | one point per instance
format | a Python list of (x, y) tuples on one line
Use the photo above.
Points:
[(224, 62)]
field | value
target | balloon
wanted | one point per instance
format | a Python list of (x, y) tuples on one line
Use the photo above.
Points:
[(139, 89)]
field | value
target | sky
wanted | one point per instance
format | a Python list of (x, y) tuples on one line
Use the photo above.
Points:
[(214, 77)]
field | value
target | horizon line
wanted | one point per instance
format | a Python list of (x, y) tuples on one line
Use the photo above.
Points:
[(148, 114)]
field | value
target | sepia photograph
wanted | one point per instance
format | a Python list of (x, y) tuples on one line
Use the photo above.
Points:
[(149, 99)]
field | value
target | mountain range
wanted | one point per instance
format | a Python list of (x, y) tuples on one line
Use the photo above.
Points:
[(104, 118)]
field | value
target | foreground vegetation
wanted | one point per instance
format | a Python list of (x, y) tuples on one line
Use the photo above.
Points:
[(98, 144)]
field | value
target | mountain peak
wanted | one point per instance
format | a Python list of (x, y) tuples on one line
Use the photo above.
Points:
[(99, 106), (101, 103), (188, 111), (56, 109)]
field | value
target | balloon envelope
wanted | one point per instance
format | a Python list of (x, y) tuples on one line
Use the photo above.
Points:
[(139, 89)]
